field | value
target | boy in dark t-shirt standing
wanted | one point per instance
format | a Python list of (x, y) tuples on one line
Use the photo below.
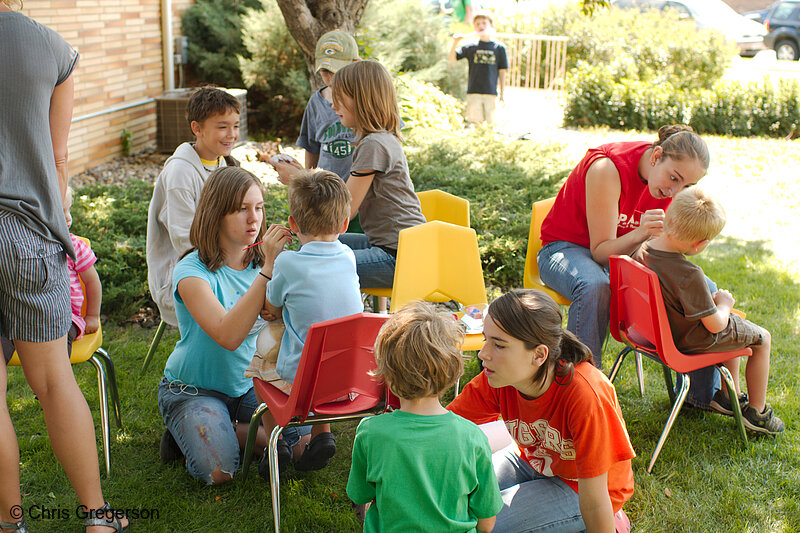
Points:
[(488, 64)]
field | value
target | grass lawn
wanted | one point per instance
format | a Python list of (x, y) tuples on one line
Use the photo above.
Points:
[(704, 480)]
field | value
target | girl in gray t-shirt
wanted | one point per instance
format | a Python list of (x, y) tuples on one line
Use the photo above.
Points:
[(382, 193)]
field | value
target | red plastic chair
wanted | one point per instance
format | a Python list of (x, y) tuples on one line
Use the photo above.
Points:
[(337, 358), (639, 320)]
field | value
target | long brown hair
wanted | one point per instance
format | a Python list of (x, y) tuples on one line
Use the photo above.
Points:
[(533, 317), (679, 141), (370, 86), (222, 195)]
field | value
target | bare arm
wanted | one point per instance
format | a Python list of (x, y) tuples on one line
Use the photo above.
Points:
[(595, 504), (312, 160), (486, 525), (286, 170), (719, 320), (94, 296), (603, 190), (502, 78), (457, 38), (230, 328), (469, 14), (60, 117), (358, 186)]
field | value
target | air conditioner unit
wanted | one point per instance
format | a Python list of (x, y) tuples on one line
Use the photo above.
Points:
[(172, 129)]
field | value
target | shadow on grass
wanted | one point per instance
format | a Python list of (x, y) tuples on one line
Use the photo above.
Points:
[(705, 479)]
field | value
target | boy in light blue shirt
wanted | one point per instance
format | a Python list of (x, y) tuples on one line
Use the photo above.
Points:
[(316, 283)]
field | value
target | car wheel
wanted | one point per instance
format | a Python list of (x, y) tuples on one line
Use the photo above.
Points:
[(787, 50)]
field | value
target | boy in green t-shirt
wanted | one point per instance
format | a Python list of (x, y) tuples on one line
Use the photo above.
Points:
[(425, 468)]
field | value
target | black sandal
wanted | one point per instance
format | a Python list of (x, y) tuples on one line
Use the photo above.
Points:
[(284, 459), (105, 516), (15, 527), (318, 453)]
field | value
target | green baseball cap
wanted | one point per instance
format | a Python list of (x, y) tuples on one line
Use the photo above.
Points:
[(335, 50)]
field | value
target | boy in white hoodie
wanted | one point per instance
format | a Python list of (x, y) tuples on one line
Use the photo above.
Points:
[(213, 116)]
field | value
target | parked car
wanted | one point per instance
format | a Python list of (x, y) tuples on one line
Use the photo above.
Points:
[(783, 24), (713, 14)]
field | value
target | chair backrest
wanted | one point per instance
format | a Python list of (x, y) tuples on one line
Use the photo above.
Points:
[(443, 206), (639, 317), (438, 262), (337, 357), (530, 278)]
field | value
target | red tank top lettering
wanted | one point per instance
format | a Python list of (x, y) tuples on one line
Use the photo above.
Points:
[(567, 219)]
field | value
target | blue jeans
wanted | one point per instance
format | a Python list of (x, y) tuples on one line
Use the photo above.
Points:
[(533, 502), (201, 422), (570, 270), (375, 267)]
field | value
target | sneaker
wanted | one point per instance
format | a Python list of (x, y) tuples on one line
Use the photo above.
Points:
[(763, 422), (721, 403), (168, 450)]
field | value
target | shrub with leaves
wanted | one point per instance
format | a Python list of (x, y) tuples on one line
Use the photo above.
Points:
[(274, 69), (213, 30), (423, 107)]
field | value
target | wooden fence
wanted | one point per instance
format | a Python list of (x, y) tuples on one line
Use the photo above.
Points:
[(535, 61)]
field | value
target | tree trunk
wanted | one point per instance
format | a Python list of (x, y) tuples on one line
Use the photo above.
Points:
[(308, 20)]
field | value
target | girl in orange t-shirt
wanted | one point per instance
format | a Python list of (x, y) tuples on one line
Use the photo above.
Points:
[(572, 470)]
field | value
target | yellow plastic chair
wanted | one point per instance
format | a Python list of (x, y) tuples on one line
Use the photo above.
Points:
[(530, 278), (90, 348), (437, 262), (443, 206)]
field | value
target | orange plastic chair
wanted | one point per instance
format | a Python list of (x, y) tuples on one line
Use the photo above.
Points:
[(337, 358), (443, 206), (438, 262), (530, 278), (90, 348), (639, 320)]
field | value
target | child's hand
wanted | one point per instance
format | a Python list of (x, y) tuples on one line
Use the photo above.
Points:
[(457, 37), (652, 222), (276, 237), (267, 315), (285, 169), (92, 323), (723, 298)]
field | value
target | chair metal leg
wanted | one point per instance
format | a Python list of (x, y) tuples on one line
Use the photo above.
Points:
[(104, 418), (153, 346), (639, 372), (112, 383), (274, 475), (737, 409), (676, 408), (617, 363), (668, 381), (247, 455)]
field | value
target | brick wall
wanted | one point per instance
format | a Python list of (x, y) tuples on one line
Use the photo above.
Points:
[(121, 64)]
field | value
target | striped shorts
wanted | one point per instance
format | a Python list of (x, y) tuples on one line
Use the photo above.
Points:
[(34, 284)]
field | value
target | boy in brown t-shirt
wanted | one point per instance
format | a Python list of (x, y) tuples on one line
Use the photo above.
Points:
[(700, 321)]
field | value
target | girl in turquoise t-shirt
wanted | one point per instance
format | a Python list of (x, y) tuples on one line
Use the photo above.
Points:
[(220, 289)]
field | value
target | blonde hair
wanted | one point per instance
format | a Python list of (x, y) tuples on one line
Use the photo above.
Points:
[(370, 87), (11, 4), (68, 199), (417, 352), (679, 142), (222, 195), (694, 215), (319, 202)]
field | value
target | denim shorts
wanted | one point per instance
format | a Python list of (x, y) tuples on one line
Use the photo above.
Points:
[(34, 284), (201, 420)]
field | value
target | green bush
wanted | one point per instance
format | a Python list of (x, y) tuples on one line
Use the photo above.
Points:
[(213, 29), (423, 107), (599, 96), (274, 71), (652, 47), (501, 179)]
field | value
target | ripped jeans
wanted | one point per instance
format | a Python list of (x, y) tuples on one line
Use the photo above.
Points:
[(201, 422)]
